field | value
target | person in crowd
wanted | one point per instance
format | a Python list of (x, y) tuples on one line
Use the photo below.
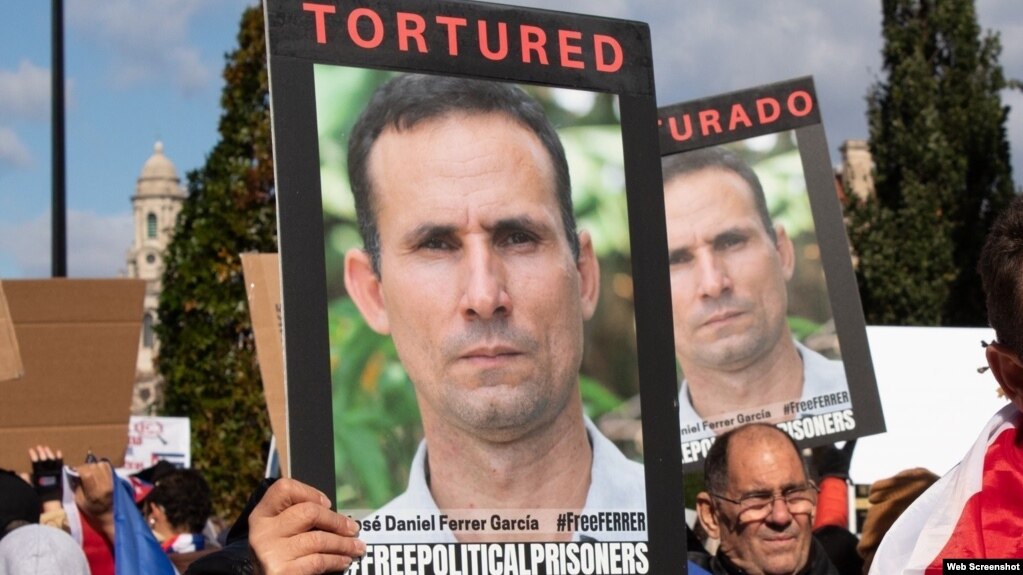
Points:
[(177, 509), (19, 504), (889, 498), (729, 268), (22, 503), (35, 549), (47, 480), (831, 516), (759, 504)]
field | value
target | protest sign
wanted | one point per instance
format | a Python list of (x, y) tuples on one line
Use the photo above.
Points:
[(78, 342), (152, 439), (263, 292), (10, 356), (359, 331), (768, 321)]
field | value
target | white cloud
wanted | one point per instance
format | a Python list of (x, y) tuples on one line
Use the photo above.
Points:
[(707, 47), (25, 92), (97, 244), (12, 151), (147, 39), (27, 244)]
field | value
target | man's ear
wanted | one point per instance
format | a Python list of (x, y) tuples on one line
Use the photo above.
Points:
[(363, 284), (705, 514), (589, 275), (1007, 368), (786, 251)]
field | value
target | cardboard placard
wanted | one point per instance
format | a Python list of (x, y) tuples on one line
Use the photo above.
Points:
[(79, 341), (768, 321), (263, 290), (10, 356), (353, 409)]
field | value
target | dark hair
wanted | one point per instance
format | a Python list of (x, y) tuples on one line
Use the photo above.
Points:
[(681, 164), (19, 504), (1001, 271), (405, 100), (185, 498), (715, 466)]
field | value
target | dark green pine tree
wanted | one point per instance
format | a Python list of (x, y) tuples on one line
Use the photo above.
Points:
[(942, 171), (207, 351)]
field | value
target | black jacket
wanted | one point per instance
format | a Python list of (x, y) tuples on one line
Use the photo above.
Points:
[(235, 558), (720, 565)]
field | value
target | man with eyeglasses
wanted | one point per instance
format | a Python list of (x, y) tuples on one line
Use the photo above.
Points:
[(759, 503)]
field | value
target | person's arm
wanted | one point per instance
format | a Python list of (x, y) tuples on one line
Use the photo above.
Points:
[(292, 529), (47, 467), (94, 496)]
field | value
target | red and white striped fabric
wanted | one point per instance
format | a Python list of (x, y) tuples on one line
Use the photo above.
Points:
[(974, 511)]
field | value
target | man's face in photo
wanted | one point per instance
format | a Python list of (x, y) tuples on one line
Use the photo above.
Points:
[(727, 274), (478, 285)]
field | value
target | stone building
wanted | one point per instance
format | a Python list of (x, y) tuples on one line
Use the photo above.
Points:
[(856, 174), (157, 201)]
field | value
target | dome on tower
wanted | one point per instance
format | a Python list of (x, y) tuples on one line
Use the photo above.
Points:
[(159, 176)]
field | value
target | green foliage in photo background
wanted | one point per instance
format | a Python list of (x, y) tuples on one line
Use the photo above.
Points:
[(207, 354)]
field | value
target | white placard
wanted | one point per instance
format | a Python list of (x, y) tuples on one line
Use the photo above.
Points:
[(935, 402), (151, 439)]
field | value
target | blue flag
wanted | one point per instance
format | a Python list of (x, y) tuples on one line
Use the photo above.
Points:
[(695, 569), (136, 550)]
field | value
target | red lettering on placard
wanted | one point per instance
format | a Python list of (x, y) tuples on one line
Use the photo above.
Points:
[(533, 41), (319, 10), (502, 42), (568, 50), (807, 103), (452, 23), (673, 128), (738, 116), (370, 28), (411, 26), (600, 41), (710, 119), (762, 110), (353, 28)]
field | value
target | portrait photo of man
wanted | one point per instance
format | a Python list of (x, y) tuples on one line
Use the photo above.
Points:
[(474, 361), (734, 267), (472, 274)]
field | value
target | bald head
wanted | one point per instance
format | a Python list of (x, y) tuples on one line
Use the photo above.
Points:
[(760, 504), (745, 439)]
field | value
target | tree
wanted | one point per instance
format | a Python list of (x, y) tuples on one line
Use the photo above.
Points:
[(942, 171), (207, 351)]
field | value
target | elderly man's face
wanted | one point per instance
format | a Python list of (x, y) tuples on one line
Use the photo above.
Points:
[(762, 462), (727, 275), (478, 284)]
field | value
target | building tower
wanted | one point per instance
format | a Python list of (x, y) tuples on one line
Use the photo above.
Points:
[(156, 204), (857, 169)]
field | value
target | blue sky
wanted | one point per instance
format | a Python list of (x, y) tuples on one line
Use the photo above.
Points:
[(145, 70)]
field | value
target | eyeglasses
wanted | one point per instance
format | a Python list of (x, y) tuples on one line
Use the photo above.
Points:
[(757, 506)]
